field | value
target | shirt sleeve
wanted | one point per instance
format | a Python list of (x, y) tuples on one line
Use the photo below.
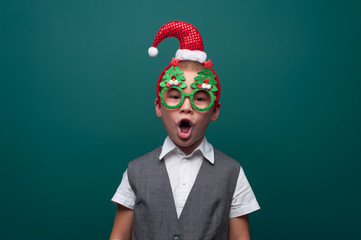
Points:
[(244, 200), (124, 194)]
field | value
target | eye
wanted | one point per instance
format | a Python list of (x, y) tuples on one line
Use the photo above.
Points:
[(174, 97), (199, 99)]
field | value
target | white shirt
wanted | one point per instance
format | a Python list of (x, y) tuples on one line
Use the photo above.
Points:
[(182, 171)]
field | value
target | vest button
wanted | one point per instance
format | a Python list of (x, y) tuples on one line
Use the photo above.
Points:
[(176, 237)]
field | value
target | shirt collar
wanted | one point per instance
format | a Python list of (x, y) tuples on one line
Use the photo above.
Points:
[(205, 148)]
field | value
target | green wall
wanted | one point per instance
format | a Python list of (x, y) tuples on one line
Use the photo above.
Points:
[(290, 74)]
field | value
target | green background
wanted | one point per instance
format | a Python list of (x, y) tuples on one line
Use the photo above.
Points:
[(290, 75)]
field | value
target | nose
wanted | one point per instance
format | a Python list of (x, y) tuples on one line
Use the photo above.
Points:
[(186, 106)]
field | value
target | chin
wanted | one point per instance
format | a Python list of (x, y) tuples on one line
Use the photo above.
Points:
[(189, 142), (182, 142)]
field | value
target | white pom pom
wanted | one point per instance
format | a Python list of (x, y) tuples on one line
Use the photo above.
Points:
[(204, 85), (209, 86), (171, 82), (176, 82), (153, 52)]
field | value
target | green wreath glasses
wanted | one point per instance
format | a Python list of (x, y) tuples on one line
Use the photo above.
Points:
[(173, 97)]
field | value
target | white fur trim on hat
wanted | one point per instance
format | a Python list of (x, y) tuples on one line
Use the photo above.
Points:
[(153, 52), (185, 54)]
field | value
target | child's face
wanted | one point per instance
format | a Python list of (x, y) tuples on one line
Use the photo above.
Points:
[(185, 125)]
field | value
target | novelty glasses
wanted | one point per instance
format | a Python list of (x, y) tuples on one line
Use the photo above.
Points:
[(173, 97)]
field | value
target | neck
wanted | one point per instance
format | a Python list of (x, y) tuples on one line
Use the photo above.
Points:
[(189, 149)]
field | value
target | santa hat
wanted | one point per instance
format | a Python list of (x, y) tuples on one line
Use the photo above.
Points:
[(191, 43), (191, 47)]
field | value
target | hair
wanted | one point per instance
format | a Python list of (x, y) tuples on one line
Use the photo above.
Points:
[(192, 66)]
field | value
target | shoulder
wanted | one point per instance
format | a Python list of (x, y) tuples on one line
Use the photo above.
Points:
[(154, 154), (143, 166), (223, 158), (226, 165), (228, 169)]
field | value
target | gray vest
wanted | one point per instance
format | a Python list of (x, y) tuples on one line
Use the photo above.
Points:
[(205, 214)]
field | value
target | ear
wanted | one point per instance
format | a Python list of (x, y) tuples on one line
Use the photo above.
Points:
[(157, 107), (215, 113)]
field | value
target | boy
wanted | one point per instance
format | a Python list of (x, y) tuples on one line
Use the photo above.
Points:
[(186, 189)]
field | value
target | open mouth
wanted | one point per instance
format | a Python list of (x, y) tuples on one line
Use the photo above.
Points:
[(184, 128)]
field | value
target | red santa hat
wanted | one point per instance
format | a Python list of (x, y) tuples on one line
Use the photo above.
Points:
[(191, 47), (191, 43)]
